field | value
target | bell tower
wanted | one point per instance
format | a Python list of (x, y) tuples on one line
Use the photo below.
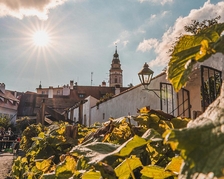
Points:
[(116, 78)]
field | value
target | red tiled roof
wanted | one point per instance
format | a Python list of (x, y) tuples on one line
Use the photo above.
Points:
[(8, 95)]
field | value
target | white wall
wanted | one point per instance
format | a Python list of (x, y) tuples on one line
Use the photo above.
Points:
[(91, 101), (127, 103)]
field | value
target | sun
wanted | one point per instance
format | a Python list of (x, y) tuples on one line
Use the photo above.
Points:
[(41, 38)]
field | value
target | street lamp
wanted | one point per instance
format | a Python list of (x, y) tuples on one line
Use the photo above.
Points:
[(145, 75)]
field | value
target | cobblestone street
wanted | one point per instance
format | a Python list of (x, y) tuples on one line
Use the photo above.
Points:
[(6, 160)]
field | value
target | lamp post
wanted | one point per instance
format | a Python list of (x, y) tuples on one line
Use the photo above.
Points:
[(145, 77)]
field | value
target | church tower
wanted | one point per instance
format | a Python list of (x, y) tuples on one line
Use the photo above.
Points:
[(116, 78)]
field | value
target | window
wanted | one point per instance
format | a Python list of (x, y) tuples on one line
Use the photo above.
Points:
[(81, 95), (211, 84), (42, 92), (115, 80), (103, 116)]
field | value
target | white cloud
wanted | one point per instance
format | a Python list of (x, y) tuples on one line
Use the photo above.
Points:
[(116, 41), (169, 37), (147, 45), (123, 38), (153, 16), (157, 1), (125, 42), (165, 13), (21, 8)]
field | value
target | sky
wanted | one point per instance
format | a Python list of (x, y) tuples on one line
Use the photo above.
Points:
[(81, 36)]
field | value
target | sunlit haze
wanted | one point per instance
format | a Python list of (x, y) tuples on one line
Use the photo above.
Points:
[(41, 38), (53, 42)]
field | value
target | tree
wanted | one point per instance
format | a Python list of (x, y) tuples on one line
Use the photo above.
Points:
[(4, 122)]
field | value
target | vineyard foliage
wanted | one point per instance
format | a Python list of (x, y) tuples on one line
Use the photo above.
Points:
[(201, 143), (117, 149), (191, 49)]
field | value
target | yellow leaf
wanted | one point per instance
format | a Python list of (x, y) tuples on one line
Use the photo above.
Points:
[(43, 165), (155, 172), (175, 164)]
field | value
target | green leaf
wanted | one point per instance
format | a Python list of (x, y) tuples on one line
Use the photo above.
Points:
[(190, 49), (179, 123), (106, 170), (91, 175), (126, 148), (202, 143), (152, 135), (155, 172), (97, 151), (49, 176), (94, 151), (125, 169), (218, 45), (153, 121)]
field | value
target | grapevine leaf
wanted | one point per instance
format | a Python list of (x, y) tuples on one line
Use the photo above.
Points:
[(152, 135), (126, 148), (179, 122), (91, 175), (49, 176), (125, 169), (66, 168), (175, 165), (218, 46), (44, 165), (153, 121), (189, 50), (155, 172), (202, 142), (94, 151), (106, 170), (97, 151)]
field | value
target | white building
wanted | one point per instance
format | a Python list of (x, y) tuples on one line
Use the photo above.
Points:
[(8, 103), (201, 90)]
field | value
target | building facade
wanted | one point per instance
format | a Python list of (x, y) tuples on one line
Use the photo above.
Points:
[(8, 103), (192, 100)]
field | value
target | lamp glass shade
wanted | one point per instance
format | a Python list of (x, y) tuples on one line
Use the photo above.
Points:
[(145, 75)]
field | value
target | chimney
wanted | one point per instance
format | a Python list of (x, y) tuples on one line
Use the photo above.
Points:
[(104, 84), (2, 87), (71, 84), (50, 92), (117, 89), (15, 94)]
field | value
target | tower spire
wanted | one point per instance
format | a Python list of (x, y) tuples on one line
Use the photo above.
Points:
[(116, 77)]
